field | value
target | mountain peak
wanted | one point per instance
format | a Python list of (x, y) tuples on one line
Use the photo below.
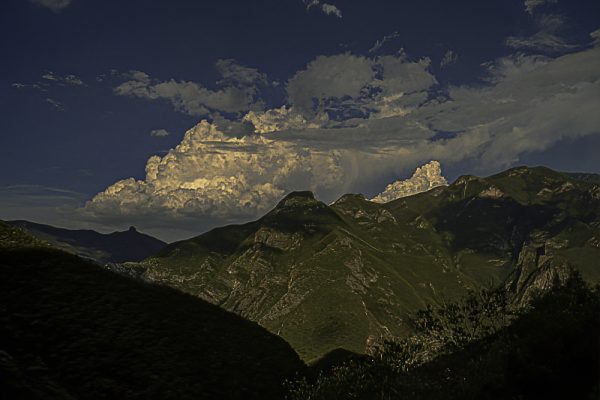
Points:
[(307, 194), (424, 178)]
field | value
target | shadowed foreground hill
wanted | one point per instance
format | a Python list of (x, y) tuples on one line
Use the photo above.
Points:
[(477, 348), (70, 330)]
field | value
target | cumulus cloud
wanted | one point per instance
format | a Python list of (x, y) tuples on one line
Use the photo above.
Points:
[(159, 133), (238, 90), (210, 174), (54, 5), (325, 8), (547, 38), (424, 178)]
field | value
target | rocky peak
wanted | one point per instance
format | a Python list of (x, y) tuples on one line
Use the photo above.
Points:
[(297, 198)]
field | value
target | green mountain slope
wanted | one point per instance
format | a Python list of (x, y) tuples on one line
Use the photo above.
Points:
[(119, 247), (70, 330), (344, 275)]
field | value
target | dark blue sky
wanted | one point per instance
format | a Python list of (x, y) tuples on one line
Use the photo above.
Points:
[(71, 130)]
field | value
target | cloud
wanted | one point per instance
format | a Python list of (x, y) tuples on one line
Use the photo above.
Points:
[(35, 86), (346, 86), (210, 174), (531, 5), (54, 5), (57, 105), (595, 37), (238, 93), (159, 133), (525, 104), (547, 39), (381, 42), (424, 178), (325, 8), (281, 119), (329, 76), (450, 57), (70, 79)]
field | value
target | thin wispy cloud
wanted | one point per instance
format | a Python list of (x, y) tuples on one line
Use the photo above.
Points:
[(54, 5), (159, 133), (325, 8)]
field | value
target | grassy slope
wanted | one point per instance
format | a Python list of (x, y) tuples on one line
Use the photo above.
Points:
[(68, 328)]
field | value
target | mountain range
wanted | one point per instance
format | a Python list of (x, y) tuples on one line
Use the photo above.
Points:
[(129, 245), (350, 274)]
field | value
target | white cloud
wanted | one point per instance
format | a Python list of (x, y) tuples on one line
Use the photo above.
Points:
[(281, 119), (531, 5), (54, 5), (424, 178), (450, 57), (546, 39), (70, 79), (159, 133), (325, 8), (239, 90), (211, 174)]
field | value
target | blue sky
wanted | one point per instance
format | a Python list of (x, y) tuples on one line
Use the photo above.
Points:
[(93, 89)]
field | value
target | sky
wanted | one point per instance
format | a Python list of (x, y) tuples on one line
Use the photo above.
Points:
[(178, 116)]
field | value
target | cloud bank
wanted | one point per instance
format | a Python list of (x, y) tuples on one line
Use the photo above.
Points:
[(351, 120)]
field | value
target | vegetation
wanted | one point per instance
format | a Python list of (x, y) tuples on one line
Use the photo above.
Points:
[(70, 330), (479, 348)]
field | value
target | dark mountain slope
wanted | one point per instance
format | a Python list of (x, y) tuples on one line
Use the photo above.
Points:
[(129, 245), (70, 330)]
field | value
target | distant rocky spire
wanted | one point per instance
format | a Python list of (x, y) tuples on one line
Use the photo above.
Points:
[(425, 178)]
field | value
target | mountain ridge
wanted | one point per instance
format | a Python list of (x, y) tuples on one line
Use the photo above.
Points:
[(119, 246), (347, 274)]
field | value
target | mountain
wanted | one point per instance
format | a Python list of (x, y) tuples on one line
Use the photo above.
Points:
[(324, 277), (129, 245), (72, 330)]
